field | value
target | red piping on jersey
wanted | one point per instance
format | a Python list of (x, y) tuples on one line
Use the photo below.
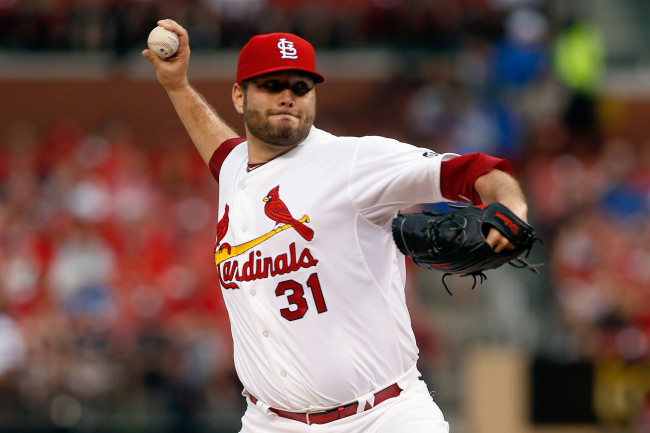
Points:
[(220, 155), (458, 175)]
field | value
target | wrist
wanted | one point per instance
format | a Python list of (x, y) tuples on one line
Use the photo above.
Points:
[(517, 206), (180, 87)]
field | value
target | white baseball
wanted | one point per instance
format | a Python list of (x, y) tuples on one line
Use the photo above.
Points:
[(163, 42)]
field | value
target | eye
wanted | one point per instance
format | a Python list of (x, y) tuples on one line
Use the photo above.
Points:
[(301, 88), (273, 86)]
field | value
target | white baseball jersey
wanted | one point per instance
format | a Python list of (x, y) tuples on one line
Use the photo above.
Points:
[(310, 275)]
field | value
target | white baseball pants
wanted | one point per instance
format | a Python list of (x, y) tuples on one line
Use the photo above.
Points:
[(413, 411)]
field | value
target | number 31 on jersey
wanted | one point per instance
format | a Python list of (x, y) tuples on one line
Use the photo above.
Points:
[(296, 297)]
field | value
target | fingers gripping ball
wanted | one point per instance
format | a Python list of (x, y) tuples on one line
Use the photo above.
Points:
[(163, 42), (455, 241)]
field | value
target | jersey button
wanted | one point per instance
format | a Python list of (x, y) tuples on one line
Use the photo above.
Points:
[(253, 292), (265, 333), (283, 373)]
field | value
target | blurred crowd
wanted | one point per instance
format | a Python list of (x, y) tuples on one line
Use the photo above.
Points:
[(107, 293), (122, 25)]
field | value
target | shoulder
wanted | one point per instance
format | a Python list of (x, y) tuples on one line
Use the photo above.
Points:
[(368, 147), (379, 141), (318, 136), (230, 147)]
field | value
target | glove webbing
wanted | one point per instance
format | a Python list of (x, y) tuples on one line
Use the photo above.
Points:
[(518, 263)]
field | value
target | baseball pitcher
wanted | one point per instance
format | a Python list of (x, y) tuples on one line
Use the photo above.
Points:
[(304, 253)]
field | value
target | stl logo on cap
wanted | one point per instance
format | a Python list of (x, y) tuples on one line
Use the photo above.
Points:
[(260, 56), (287, 49)]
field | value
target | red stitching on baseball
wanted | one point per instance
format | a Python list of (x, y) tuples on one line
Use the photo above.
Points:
[(164, 44)]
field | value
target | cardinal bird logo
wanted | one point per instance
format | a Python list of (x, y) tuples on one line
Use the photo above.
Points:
[(278, 212), (244, 262), (222, 225), (222, 228)]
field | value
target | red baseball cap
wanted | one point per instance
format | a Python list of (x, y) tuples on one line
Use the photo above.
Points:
[(275, 52)]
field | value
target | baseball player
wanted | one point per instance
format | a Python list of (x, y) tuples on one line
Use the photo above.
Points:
[(309, 272)]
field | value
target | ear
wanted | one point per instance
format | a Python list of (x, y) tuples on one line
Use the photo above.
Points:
[(238, 98)]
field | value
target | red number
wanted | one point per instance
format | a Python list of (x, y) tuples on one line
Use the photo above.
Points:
[(297, 297), (317, 293)]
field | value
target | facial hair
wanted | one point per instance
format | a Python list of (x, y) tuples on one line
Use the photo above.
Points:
[(284, 135)]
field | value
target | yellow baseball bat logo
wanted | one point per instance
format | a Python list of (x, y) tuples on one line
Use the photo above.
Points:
[(236, 250)]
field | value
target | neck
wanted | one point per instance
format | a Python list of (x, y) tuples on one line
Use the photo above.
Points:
[(260, 151), (259, 155)]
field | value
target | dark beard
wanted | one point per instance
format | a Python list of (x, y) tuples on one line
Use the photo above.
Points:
[(284, 136)]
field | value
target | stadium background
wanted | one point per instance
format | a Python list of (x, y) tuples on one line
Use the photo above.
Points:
[(110, 318)]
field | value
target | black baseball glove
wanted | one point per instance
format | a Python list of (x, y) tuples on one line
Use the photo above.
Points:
[(455, 241)]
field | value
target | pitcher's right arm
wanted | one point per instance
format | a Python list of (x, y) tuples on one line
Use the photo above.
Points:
[(206, 129)]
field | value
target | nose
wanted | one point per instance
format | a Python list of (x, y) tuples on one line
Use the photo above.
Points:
[(286, 98)]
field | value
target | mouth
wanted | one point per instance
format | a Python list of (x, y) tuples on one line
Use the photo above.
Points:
[(282, 113)]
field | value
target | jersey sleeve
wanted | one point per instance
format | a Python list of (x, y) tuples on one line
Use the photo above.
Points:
[(458, 175), (220, 155), (387, 175)]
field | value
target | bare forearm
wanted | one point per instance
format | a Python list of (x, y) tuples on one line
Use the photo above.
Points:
[(498, 186), (206, 129)]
